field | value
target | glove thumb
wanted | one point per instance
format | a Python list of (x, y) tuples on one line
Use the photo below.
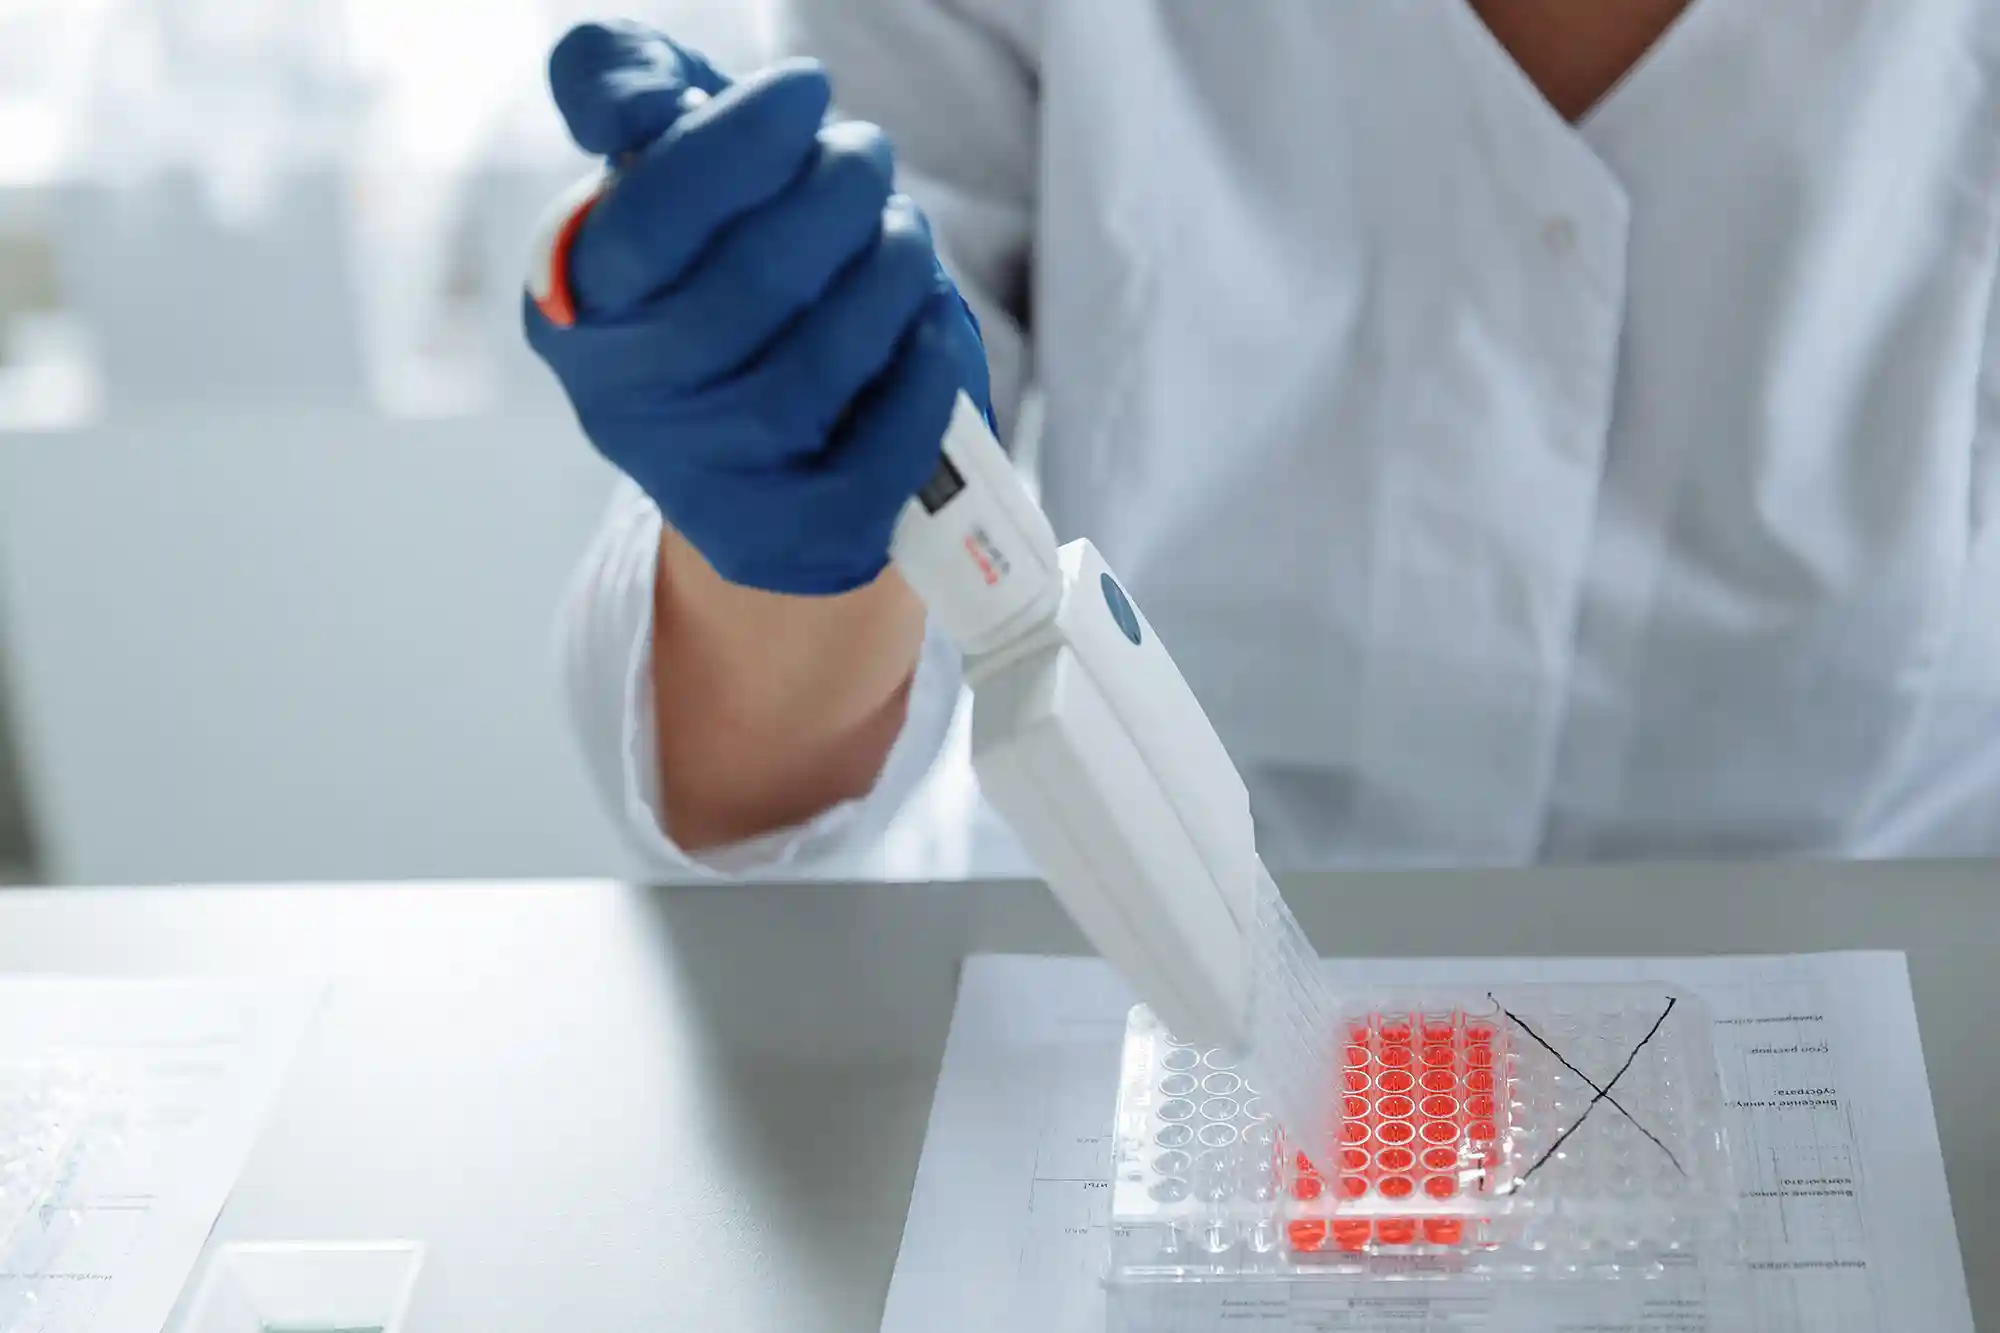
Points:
[(621, 85)]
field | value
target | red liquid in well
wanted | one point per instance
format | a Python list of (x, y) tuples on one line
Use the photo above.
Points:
[(1418, 1118)]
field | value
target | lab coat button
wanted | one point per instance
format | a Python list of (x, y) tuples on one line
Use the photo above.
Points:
[(1559, 235)]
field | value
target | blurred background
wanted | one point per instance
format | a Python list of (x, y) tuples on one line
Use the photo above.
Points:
[(285, 505)]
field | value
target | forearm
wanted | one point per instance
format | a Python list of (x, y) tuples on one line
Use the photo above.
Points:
[(769, 708)]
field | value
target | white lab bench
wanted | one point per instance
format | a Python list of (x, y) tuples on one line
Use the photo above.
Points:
[(612, 1108)]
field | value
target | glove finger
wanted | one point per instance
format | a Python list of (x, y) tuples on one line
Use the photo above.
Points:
[(890, 440), (847, 501), (621, 85), (784, 408), (823, 516), (736, 152), (797, 383), (813, 373), (774, 263)]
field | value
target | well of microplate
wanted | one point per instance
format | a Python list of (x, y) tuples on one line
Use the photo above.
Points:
[(1526, 1134), (58, 1117)]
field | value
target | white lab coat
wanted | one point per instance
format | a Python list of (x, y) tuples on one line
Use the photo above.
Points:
[(1507, 490)]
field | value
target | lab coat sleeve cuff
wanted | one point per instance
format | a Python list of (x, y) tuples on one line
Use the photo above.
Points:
[(608, 629)]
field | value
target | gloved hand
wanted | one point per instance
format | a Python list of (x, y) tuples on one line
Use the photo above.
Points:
[(764, 339)]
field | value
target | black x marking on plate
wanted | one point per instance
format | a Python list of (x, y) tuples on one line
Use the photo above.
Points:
[(1603, 1093)]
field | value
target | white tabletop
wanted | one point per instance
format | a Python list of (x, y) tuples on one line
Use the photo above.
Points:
[(611, 1108)]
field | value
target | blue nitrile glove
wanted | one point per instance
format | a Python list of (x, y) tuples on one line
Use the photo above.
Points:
[(764, 338)]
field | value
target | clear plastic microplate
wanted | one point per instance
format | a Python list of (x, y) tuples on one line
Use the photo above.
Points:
[(43, 1109), (1528, 1133)]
